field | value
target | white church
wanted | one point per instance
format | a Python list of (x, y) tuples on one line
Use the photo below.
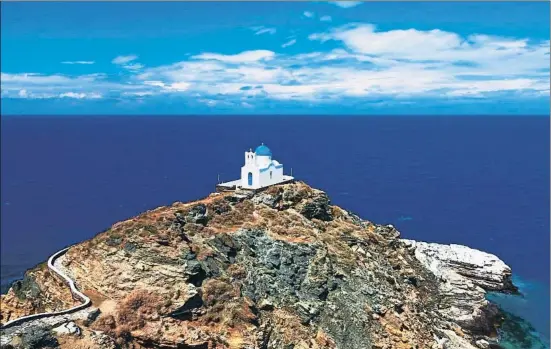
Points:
[(259, 171)]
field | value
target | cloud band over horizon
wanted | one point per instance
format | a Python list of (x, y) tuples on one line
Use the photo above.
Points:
[(352, 61)]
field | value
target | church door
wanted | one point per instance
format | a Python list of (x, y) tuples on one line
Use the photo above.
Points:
[(250, 178)]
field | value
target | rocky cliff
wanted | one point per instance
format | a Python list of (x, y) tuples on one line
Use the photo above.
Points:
[(282, 268)]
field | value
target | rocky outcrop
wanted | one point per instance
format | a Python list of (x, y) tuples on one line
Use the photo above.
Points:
[(281, 268), (68, 328), (465, 275), (482, 269), (38, 292)]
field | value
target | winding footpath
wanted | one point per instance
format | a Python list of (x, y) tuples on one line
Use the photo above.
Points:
[(18, 325)]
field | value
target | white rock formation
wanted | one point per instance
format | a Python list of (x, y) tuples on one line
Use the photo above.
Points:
[(481, 268), (465, 275), (68, 328)]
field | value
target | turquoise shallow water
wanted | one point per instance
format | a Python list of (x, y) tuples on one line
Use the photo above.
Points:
[(526, 324)]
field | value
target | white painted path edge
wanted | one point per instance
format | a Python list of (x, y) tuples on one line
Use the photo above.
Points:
[(76, 293)]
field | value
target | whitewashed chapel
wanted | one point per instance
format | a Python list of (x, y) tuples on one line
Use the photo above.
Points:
[(260, 170)]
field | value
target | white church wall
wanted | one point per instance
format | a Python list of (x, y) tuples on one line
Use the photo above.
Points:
[(264, 179), (264, 171), (263, 161), (245, 170), (276, 177)]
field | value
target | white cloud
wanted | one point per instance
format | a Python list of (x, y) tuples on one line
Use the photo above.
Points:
[(128, 62), (264, 30), (39, 86), (346, 4), (289, 43), (474, 55), (178, 86), (133, 66), (405, 63), (243, 57), (326, 18), (394, 64), (120, 60), (78, 62), (138, 93), (80, 95), (308, 14), (36, 79)]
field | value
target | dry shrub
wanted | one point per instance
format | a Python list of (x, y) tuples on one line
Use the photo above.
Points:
[(289, 327), (223, 306), (238, 313), (255, 225), (203, 252), (296, 194), (150, 230), (245, 206), (218, 220), (293, 234), (235, 217), (105, 324), (273, 190), (237, 271), (277, 230), (192, 228), (136, 308), (337, 213), (132, 314), (216, 292), (122, 334), (284, 219), (207, 231), (268, 213), (218, 207), (299, 232), (216, 296)]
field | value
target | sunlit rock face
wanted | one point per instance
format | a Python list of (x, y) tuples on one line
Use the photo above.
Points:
[(281, 268)]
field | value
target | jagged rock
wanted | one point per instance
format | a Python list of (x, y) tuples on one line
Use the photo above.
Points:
[(388, 231), (38, 337), (191, 304), (267, 199), (103, 341), (197, 214), (483, 344), (68, 328), (466, 274), (265, 305), (481, 268), (130, 247), (92, 316), (279, 268), (318, 207), (26, 288)]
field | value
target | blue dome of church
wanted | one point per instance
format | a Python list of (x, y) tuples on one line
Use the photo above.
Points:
[(263, 150)]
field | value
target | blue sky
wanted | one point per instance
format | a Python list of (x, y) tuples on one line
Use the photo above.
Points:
[(275, 57)]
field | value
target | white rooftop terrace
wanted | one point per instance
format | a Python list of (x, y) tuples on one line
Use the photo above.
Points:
[(237, 182)]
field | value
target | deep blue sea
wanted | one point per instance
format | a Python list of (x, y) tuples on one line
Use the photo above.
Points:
[(478, 181)]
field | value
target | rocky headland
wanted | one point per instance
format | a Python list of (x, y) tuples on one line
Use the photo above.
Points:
[(281, 268)]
